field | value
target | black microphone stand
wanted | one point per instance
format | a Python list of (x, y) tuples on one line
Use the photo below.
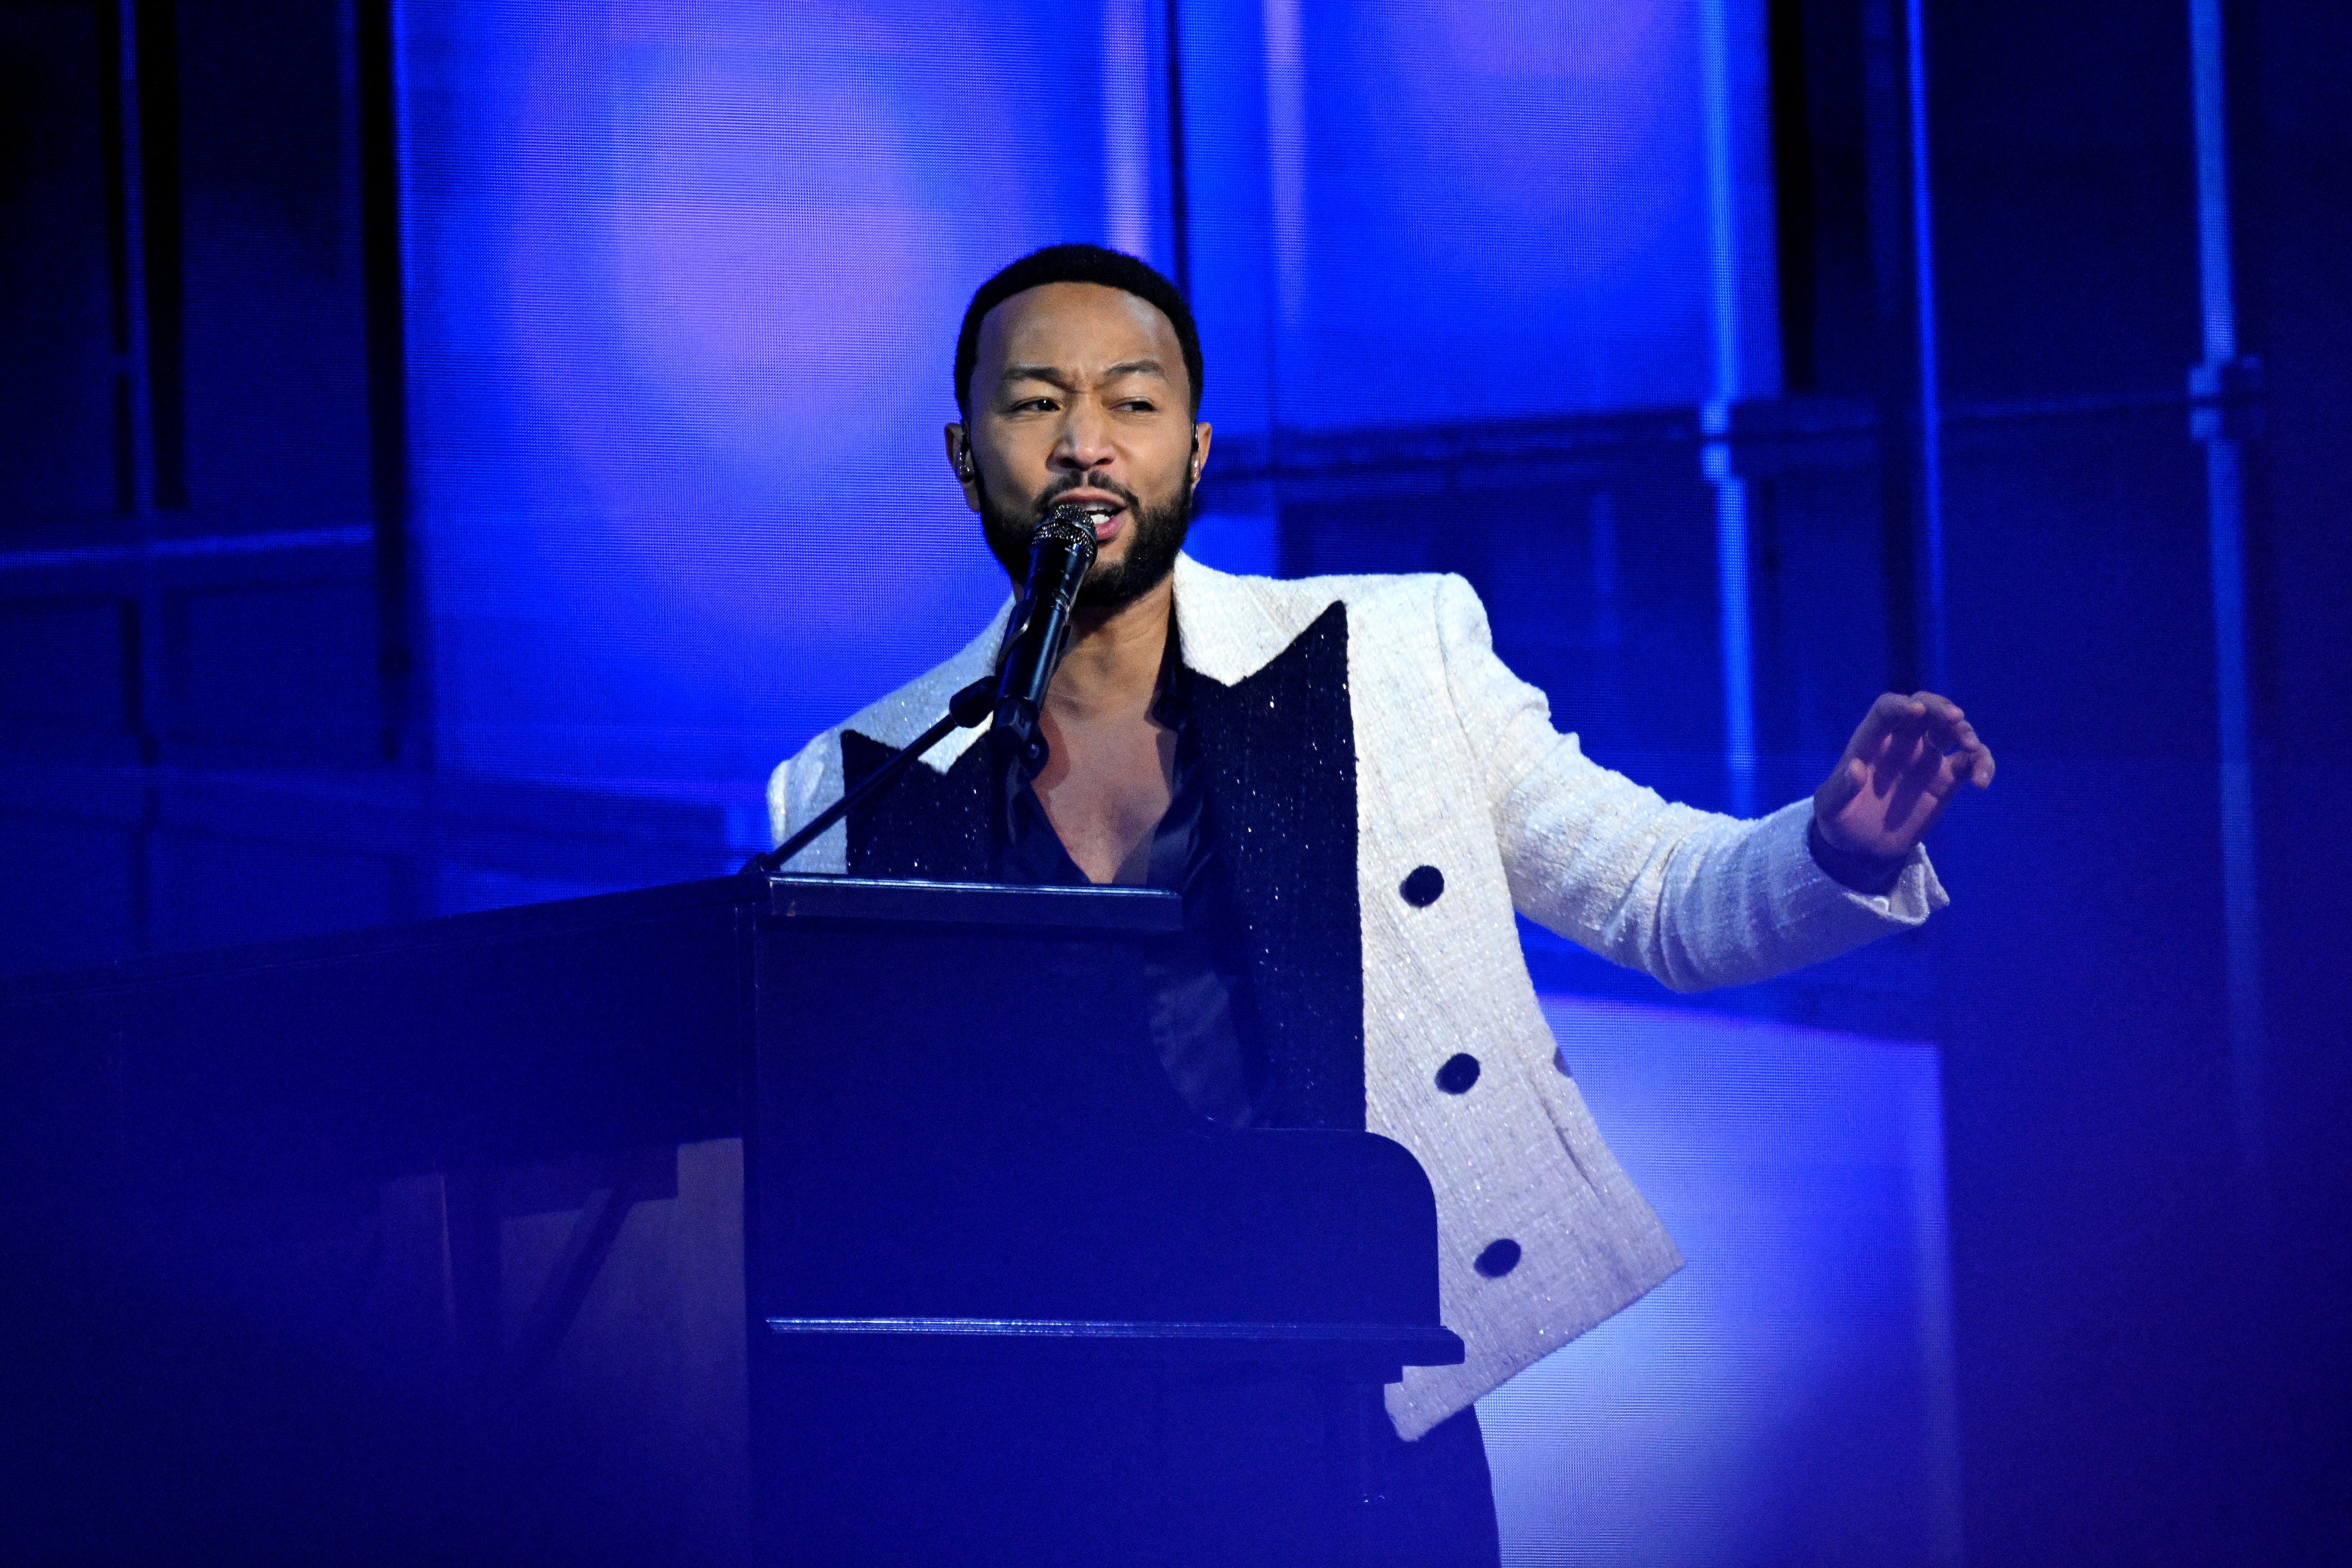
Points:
[(967, 707), (1061, 553)]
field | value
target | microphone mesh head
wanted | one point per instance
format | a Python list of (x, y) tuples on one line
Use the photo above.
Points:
[(1069, 527)]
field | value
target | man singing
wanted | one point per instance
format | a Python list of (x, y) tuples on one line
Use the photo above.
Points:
[(1353, 795)]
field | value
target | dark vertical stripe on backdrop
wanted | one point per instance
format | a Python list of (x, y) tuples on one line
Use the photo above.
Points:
[(374, 68), (1180, 197), (157, 39)]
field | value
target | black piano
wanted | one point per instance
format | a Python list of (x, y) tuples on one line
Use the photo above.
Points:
[(752, 1220)]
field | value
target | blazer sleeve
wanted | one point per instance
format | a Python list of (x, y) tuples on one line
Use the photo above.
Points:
[(1695, 899)]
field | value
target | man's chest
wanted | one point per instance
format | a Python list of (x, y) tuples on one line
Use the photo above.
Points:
[(1103, 788)]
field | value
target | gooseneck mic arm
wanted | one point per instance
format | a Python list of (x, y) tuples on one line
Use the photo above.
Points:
[(1061, 551), (966, 708)]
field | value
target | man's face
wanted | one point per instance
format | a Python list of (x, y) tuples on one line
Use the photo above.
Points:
[(1079, 397)]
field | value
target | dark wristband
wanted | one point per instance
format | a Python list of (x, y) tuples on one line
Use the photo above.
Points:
[(1862, 873)]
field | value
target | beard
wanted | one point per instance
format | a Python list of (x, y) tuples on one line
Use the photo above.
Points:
[(1156, 538)]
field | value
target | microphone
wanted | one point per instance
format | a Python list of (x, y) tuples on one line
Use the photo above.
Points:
[(1061, 551)]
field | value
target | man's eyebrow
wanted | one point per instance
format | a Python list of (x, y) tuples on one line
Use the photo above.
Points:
[(1056, 377)]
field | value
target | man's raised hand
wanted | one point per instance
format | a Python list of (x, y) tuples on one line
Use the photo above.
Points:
[(1908, 758)]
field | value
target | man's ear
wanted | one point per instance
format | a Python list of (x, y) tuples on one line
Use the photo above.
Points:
[(966, 466)]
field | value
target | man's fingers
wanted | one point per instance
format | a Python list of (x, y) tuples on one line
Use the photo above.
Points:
[(1958, 738), (1908, 750), (1892, 708), (1901, 712), (1951, 773), (1903, 791), (1942, 720), (1890, 717), (1929, 771)]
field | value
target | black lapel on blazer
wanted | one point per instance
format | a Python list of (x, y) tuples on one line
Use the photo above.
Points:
[(1280, 747), (933, 826)]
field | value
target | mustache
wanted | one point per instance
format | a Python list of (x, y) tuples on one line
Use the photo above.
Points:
[(1109, 486)]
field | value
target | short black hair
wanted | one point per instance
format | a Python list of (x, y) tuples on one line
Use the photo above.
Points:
[(1077, 264)]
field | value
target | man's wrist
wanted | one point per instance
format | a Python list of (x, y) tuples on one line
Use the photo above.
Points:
[(1873, 874)]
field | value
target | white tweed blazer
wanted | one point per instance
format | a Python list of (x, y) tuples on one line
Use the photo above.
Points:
[(1457, 764)]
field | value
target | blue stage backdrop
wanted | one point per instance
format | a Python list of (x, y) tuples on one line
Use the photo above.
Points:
[(683, 283), (1789, 1397)]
